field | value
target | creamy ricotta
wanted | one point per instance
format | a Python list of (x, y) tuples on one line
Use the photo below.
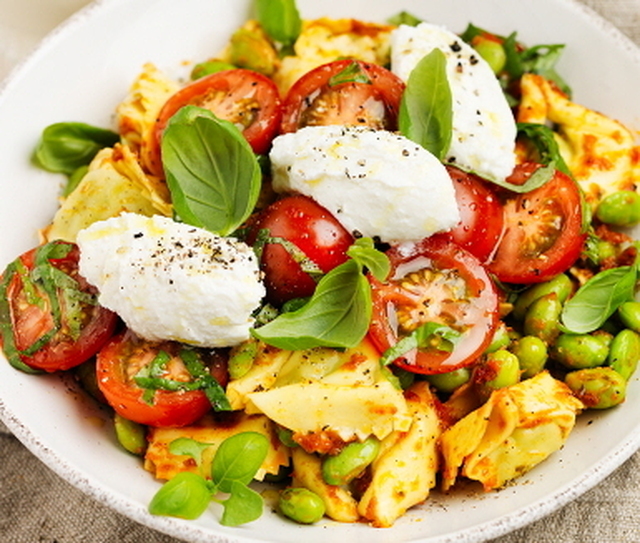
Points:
[(169, 280)]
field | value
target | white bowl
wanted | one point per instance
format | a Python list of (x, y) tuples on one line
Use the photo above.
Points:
[(83, 70)]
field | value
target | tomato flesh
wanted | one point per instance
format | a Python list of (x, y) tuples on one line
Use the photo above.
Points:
[(29, 325), (122, 359), (313, 230), (481, 215), (543, 234), (323, 97), (246, 98), (435, 281)]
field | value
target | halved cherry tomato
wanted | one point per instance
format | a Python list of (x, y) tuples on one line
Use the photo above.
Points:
[(435, 281), (542, 230), (344, 92), (246, 98), (481, 214), (126, 358), (315, 232), (49, 315)]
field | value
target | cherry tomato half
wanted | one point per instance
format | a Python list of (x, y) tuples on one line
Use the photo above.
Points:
[(246, 98), (542, 230), (314, 231), (49, 315), (481, 214), (123, 359), (344, 92), (435, 281)]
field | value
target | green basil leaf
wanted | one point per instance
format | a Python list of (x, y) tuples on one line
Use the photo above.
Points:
[(426, 113), (189, 447), (211, 171), (243, 505), (353, 73), (280, 19), (337, 315), (535, 181), (542, 137), (238, 459), (364, 252), (65, 147), (598, 299), (186, 496), (430, 335)]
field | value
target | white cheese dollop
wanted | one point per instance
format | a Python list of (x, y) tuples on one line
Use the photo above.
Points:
[(376, 183), (170, 280), (484, 128)]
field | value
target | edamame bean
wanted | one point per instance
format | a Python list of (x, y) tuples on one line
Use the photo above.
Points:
[(542, 319), (625, 353), (560, 284), (532, 354), (501, 338), (131, 435), (350, 462), (498, 370), (492, 51), (448, 382), (241, 358), (250, 49), (597, 388), (621, 208), (301, 505), (579, 351), (629, 313), (209, 67)]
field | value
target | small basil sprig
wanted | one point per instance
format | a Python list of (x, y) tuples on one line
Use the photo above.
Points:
[(235, 464), (431, 335), (598, 299), (280, 19), (212, 172), (338, 313), (426, 114), (65, 147)]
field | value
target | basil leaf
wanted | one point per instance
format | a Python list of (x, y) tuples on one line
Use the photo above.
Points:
[(243, 505), (238, 459), (429, 335), (598, 299), (542, 137), (186, 496), (280, 19), (65, 147), (353, 73), (364, 252), (426, 113), (213, 176), (537, 179), (189, 447), (337, 315)]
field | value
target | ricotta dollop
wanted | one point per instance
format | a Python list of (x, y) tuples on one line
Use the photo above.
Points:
[(376, 183), (172, 281), (484, 128)]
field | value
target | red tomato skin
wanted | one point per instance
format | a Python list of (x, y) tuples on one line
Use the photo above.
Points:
[(314, 230), (519, 259), (482, 315), (168, 410), (61, 353), (481, 215), (385, 85), (240, 81)]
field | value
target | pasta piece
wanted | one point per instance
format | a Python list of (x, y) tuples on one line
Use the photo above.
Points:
[(517, 428), (600, 152), (165, 465), (406, 467), (114, 184)]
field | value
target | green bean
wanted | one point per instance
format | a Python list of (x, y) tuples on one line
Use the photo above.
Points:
[(560, 284), (448, 382), (492, 51), (621, 208), (625, 353), (629, 314), (532, 355), (579, 351), (131, 435), (542, 318), (301, 505), (598, 388), (350, 462)]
